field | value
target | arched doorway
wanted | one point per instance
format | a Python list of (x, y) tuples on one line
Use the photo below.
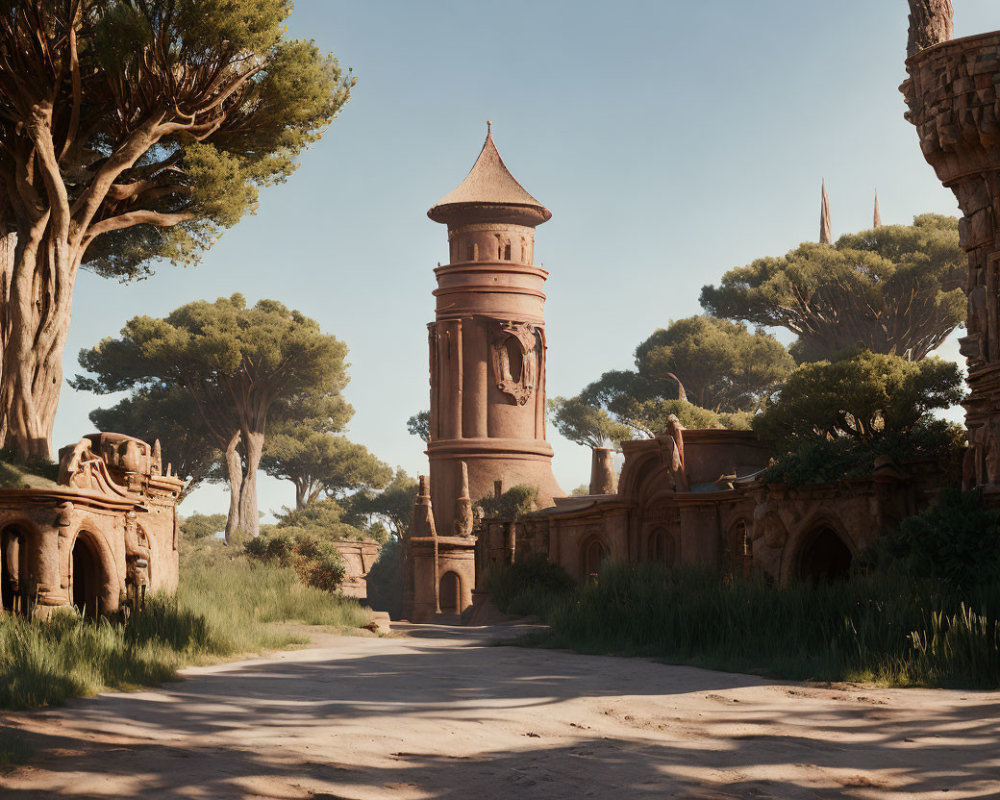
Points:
[(85, 577), (594, 554), (661, 547), (824, 557), (13, 569), (450, 595)]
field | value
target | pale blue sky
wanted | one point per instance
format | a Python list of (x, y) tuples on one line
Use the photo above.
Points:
[(671, 141)]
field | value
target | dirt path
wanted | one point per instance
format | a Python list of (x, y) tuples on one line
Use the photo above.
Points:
[(438, 714)]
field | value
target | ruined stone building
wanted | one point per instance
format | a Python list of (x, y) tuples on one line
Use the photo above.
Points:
[(689, 497), (104, 532), (487, 374)]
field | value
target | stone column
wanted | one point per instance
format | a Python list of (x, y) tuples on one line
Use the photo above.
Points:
[(953, 94)]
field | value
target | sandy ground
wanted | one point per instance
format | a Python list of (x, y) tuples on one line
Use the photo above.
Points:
[(438, 713)]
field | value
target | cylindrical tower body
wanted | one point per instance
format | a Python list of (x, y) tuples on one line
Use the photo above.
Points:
[(487, 343), (952, 93)]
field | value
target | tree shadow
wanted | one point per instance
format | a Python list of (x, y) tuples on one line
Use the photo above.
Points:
[(342, 722)]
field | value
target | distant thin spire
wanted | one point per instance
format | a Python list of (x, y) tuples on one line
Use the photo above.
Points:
[(489, 127), (825, 225), (878, 213)]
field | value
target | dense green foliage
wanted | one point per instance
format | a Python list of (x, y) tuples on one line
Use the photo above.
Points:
[(585, 424), (529, 586), (886, 628), (314, 558), (200, 526), (200, 103), (832, 420), (240, 365), (169, 414), (225, 606), (895, 290), (420, 425), (710, 373), (385, 580), (955, 542), (384, 513), (515, 502)]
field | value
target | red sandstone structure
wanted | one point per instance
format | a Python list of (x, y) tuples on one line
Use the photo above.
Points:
[(103, 534), (953, 95), (487, 370)]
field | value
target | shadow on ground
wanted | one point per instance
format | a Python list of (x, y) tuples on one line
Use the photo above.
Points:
[(449, 717)]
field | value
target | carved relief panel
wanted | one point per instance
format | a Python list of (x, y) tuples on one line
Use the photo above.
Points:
[(515, 352)]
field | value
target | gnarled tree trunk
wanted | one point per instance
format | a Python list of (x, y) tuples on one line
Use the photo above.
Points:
[(234, 471), (253, 449)]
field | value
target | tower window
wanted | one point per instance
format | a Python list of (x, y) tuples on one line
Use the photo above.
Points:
[(470, 253), (506, 252)]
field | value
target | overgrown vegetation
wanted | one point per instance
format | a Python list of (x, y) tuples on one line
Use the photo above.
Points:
[(224, 606), (883, 628), (921, 608), (512, 504), (832, 420)]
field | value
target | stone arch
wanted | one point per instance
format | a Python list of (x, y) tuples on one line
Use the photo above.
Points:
[(822, 555), (593, 554), (450, 593), (92, 584), (660, 547), (18, 538)]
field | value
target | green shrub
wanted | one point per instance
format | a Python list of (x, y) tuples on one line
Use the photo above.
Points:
[(515, 502), (315, 559), (385, 580), (225, 605), (890, 629), (530, 586), (956, 541)]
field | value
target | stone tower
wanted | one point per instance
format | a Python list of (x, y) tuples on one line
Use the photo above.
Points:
[(952, 94), (487, 343)]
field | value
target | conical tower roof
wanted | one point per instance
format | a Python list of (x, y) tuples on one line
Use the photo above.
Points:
[(488, 184)]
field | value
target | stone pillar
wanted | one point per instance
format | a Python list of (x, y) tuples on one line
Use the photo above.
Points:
[(953, 94), (602, 471)]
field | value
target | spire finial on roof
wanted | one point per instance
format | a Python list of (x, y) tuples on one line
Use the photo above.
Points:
[(878, 212), (489, 127), (825, 223)]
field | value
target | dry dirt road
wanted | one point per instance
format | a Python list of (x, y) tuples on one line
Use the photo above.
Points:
[(438, 713)]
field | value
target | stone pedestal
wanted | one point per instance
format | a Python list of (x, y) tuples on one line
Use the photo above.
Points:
[(953, 95)]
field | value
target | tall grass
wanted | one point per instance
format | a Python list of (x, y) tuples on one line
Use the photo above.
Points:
[(882, 629), (223, 607)]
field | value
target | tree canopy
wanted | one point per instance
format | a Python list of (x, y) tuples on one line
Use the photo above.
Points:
[(585, 424), (237, 363), (896, 289), (420, 425), (390, 509), (865, 397), (131, 131), (167, 413), (709, 372)]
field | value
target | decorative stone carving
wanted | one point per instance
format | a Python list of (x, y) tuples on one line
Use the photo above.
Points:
[(672, 453), (516, 376)]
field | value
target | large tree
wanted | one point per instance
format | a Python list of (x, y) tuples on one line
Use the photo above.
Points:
[(167, 413), (707, 371), (585, 424), (319, 462), (131, 131), (896, 289), (237, 363)]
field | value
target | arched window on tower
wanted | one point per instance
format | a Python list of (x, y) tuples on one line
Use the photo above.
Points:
[(470, 251), (506, 252)]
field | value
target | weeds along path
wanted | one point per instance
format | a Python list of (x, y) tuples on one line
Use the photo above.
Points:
[(438, 713)]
